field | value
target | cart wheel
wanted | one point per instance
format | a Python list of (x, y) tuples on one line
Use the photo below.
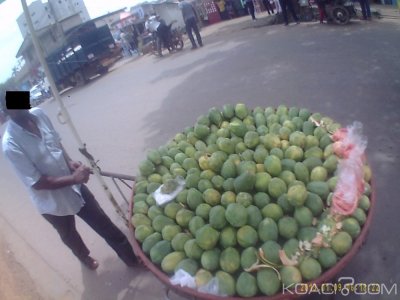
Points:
[(340, 15)]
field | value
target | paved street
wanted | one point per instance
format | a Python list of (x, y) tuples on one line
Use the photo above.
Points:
[(348, 73)]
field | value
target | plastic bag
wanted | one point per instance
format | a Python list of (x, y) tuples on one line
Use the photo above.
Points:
[(169, 190), (211, 287), (183, 278), (350, 184), (349, 141), (349, 187)]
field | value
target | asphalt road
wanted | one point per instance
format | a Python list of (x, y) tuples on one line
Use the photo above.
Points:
[(348, 73)]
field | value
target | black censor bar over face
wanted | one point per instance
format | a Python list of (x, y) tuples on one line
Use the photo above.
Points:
[(18, 100)]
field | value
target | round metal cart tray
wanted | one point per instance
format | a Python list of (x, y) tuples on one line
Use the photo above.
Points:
[(324, 278)]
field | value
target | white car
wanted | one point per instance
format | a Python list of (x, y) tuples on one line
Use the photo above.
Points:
[(37, 94)]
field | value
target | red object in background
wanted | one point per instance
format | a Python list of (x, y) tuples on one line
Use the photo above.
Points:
[(212, 12)]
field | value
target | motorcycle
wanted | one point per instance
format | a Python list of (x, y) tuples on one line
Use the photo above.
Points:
[(340, 11), (337, 11), (173, 42)]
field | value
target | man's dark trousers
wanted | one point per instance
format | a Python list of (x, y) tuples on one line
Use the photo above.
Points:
[(95, 217), (250, 9), (288, 4), (191, 25), (365, 9)]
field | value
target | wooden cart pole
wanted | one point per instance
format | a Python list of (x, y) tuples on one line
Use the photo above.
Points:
[(65, 114)]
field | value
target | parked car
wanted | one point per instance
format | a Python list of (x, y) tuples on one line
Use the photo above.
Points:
[(37, 94)]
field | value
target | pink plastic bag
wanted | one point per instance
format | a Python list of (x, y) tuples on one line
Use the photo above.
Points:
[(350, 145)]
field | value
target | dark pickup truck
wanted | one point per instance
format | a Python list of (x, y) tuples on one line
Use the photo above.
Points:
[(87, 52)]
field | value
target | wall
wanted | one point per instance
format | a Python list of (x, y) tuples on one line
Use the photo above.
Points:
[(170, 12), (41, 16), (44, 14), (65, 8), (108, 20), (71, 22)]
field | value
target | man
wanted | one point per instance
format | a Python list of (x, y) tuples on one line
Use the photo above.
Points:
[(126, 46), (322, 10), (365, 9), (268, 7), (56, 183), (160, 29), (249, 5), (190, 18), (288, 4)]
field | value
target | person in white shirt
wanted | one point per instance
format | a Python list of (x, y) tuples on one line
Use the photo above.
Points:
[(56, 184), (277, 6), (160, 29)]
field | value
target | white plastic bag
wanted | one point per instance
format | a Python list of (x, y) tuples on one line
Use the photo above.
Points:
[(183, 279), (350, 145), (211, 287), (162, 197)]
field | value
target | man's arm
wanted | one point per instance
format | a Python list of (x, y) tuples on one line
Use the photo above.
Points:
[(73, 165), (31, 177), (195, 12), (79, 176)]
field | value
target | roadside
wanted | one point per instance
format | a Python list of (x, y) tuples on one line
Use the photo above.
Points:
[(15, 282), (385, 13)]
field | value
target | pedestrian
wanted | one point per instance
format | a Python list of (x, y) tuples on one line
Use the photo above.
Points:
[(268, 7), (365, 9), (130, 36), (222, 9), (250, 8), (287, 4), (321, 9), (190, 18), (160, 30), (230, 9), (126, 46), (56, 183), (277, 6)]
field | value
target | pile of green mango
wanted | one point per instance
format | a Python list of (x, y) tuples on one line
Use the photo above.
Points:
[(258, 184)]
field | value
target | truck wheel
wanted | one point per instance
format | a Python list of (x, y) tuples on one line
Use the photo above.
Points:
[(79, 78)]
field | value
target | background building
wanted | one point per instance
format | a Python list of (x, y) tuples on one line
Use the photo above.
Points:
[(51, 20), (48, 13)]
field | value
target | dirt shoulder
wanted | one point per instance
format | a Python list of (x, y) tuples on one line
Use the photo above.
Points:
[(15, 282)]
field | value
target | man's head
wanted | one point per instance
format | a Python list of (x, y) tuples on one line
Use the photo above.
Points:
[(16, 105)]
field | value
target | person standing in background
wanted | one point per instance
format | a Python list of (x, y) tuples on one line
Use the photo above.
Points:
[(287, 4), (277, 6), (222, 9), (365, 9), (126, 46), (268, 7), (190, 18), (160, 29), (250, 8), (321, 9)]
